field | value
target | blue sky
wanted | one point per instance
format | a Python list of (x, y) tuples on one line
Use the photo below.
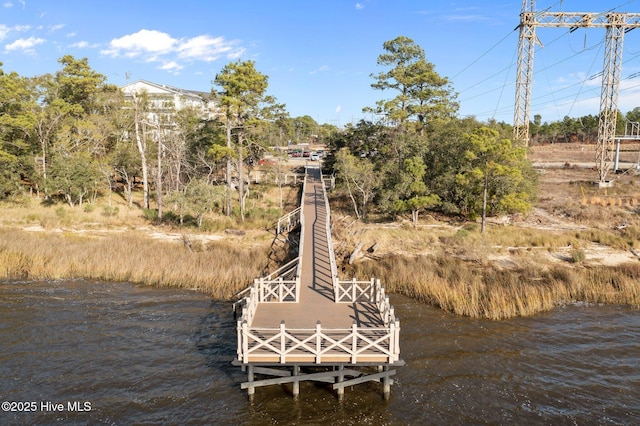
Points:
[(319, 54)]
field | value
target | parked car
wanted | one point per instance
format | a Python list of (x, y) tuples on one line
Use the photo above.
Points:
[(314, 157), (306, 154)]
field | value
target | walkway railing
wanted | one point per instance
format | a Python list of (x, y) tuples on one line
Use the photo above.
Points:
[(317, 345), (289, 221), (357, 344), (274, 288), (366, 292), (285, 270), (332, 256)]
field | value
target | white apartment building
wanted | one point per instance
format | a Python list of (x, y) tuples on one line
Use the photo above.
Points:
[(162, 97)]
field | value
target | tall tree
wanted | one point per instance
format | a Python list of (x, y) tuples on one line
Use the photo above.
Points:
[(17, 100), (413, 194), (497, 172), (360, 178), (79, 84), (140, 105), (421, 93), (244, 101)]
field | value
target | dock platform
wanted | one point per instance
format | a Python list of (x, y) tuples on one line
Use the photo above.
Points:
[(302, 322)]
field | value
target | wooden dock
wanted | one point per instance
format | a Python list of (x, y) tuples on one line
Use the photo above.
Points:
[(302, 322)]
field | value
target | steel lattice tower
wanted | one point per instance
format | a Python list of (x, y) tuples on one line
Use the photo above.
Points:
[(616, 25)]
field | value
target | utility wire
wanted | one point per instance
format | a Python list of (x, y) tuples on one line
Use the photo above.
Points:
[(509, 67), (483, 55)]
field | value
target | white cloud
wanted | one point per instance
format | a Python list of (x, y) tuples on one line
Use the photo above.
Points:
[(7, 4), (321, 69), (338, 109), (4, 30), (25, 45), (56, 27), (156, 46), (140, 43), (207, 48), (359, 6), (83, 45), (172, 66), (236, 53)]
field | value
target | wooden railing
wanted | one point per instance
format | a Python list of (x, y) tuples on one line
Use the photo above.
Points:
[(332, 256), (317, 345), (329, 181), (355, 344), (289, 221), (285, 270), (302, 221), (365, 292), (274, 288)]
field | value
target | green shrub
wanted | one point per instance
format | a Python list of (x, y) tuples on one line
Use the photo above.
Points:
[(110, 211), (577, 255)]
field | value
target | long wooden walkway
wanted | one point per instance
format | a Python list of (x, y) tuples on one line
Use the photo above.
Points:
[(316, 298), (315, 319)]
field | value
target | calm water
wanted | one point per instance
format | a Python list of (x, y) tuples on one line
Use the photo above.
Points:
[(137, 355)]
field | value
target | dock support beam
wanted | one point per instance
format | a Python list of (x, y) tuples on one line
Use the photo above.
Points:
[(296, 383), (250, 390), (386, 384), (340, 379)]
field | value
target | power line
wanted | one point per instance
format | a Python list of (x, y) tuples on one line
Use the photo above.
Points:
[(511, 65)]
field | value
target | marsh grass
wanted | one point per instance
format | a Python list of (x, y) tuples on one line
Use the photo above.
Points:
[(482, 292), (220, 269)]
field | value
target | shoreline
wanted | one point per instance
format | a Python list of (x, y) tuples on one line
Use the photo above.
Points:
[(456, 283)]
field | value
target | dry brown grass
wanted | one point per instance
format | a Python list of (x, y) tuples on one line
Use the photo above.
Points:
[(521, 269), (220, 269), (480, 292)]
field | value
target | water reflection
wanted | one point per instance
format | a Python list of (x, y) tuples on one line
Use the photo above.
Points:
[(143, 355)]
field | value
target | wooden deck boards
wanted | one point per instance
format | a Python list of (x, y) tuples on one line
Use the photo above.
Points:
[(316, 289)]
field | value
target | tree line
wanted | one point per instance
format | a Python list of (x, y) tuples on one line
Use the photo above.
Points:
[(420, 155), (71, 137)]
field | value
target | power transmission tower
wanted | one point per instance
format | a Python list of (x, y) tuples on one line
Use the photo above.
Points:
[(616, 25)]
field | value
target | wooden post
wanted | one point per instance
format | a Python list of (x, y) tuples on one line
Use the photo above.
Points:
[(250, 390), (296, 383), (386, 384), (245, 342), (396, 339), (282, 343), (280, 290), (340, 379), (240, 346), (353, 290), (392, 342), (372, 290), (354, 342), (318, 342), (261, 290)]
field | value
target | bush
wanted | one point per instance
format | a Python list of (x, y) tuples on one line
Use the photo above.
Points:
[(150, 214), (110, 211), (577, 255)]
